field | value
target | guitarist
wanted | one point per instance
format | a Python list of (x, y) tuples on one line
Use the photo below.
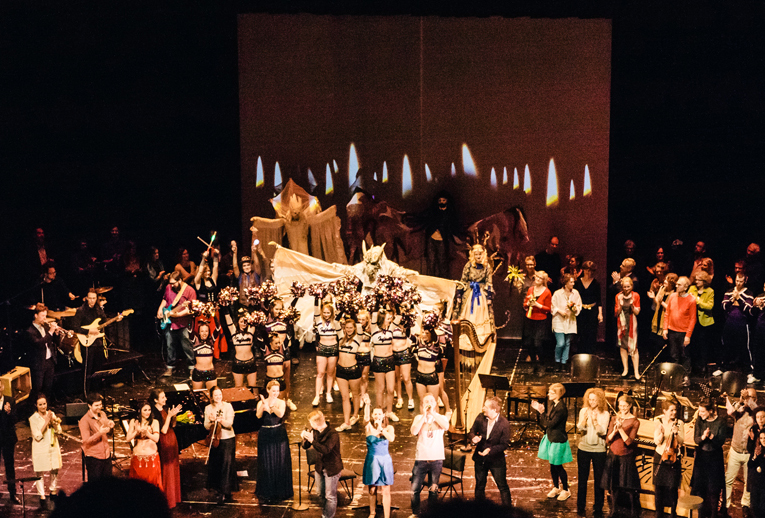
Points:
[(177, 334), (94, 356)]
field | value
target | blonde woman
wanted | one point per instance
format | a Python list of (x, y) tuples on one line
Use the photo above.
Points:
[(554, 447), (593, 425), (627, 309)]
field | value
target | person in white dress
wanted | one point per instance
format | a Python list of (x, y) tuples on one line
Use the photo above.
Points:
[(566, 306), (46, 454)]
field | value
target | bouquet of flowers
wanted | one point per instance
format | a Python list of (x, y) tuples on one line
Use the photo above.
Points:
[(515, 277)]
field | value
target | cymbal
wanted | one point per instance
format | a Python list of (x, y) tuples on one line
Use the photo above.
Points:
[(68, 312), (104, 289)]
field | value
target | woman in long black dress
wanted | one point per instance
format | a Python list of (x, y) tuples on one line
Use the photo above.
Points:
[(708, 480), (592, 310), (274, 461), (221, 468)]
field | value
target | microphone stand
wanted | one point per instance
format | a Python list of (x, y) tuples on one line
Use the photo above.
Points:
[(299, 505), (645, 380)]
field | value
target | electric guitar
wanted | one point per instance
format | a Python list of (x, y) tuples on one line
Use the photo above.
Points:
[(165, 321), (88, 339)]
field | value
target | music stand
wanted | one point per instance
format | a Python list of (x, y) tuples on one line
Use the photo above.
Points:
[(495, 383), (21, 482), (576, 390), (299, 505)]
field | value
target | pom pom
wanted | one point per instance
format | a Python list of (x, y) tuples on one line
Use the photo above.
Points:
[(267, 293), (289, 315), (297, 289), (430, 320), (256, 318), (227, 296)]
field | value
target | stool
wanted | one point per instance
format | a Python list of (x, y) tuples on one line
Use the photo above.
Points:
[(690, 502)]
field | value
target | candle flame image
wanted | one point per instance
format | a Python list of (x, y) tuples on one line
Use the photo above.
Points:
[(468, 166), (374, 176), (493, 178), (527, 180), (353, 165), (572, 194), (552, 185), (587, 185), (454, 170), (277, 176), (428, 175), (406, 178), (385, 172), (516, 183), (334, 164), (259, 181), (504, 176), (330, 188), (311, 179)]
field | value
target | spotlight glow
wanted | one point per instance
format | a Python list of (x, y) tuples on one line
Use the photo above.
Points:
[(353, 165), (374, 176), (516, 182), (428, 175), (454, 170), (406, 178), (330, 188), (493, 179), (552, 185), (259, 181), (334, 164), (587, 185), (468, 166), (527, 180), (572, 192), (385, 172)]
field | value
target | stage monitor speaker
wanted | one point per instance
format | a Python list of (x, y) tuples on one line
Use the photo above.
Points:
[(74, 411), (585, 367), (669, 377), (732, 383)]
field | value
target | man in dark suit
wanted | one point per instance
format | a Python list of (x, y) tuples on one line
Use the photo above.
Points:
[(8, 439), (42, 352), (490, 434)]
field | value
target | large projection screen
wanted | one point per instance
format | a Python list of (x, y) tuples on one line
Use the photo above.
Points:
[(469, 101)]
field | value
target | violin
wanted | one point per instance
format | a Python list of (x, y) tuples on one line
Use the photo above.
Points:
[(671, 449), (213, 438)]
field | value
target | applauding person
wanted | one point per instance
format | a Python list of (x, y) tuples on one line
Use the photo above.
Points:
[(490, 434), (145, 464), (378, 466), (46, 454), (274, 461)]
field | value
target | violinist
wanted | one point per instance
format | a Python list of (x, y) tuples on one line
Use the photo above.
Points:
[(669, 435), (221, 469), (46, 454), (94, 429)]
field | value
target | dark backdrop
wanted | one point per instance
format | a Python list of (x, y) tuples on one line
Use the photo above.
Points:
[(131, 116)]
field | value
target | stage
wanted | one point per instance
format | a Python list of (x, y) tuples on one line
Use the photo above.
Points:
[(528, 477)]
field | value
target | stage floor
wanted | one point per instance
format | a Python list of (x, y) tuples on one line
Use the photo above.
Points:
[(528, 477)]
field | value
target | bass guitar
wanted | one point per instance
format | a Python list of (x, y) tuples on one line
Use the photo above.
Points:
[(166, 314)]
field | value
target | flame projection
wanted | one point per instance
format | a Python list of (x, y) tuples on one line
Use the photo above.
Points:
[(587, 184), (493, 179), (353, 165), (311, 179), (468, 166), (527, 180), (259, 181), (504, 176), (406, 178), (334, 165), (572, 192), (428, 175), (330, 188), (277, 176), (454, 170), (552, 185), (385, 172), (374, 176), (516, 183)]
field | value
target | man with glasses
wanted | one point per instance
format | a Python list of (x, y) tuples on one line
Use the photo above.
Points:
[(175, 306)]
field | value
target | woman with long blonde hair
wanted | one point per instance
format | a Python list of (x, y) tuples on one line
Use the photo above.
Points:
[(593, 425)]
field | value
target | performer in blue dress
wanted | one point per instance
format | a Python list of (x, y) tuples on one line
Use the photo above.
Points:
[(378, 466)]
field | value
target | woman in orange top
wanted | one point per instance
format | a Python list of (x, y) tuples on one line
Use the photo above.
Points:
[(537, 305)]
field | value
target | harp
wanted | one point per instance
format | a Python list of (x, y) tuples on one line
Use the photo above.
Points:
[(471, 358)]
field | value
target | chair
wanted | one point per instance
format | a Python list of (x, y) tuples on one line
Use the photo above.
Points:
[(454, 461), (347, 476), (692, 503)]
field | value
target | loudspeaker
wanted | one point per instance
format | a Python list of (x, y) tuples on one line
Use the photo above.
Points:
[(74, 411)]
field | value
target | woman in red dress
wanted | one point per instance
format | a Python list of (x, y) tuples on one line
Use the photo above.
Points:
[(168, 447)]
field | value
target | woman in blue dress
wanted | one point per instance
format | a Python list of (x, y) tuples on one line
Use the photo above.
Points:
[(378, 466)]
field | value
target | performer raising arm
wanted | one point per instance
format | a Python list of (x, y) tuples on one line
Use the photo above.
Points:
[(429, 427), (378, 465)]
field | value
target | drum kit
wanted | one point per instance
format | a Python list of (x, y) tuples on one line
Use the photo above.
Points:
[(69, 339)]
